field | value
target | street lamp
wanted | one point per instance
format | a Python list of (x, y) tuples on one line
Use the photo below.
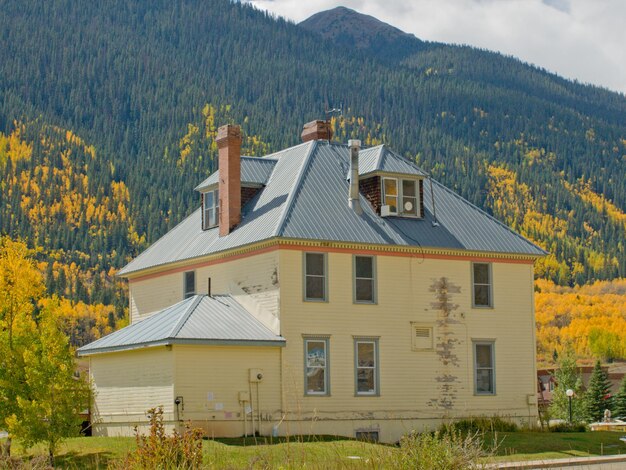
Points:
[(570, 393)]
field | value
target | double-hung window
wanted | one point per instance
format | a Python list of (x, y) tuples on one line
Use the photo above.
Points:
[(210, 209), (364, 279), (316, 366), (189, 284), (481, 285), (401, 196), (484, 368), (315, 284), (366, 366)]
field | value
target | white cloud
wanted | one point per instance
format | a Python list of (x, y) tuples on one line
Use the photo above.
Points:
[(578, 39)]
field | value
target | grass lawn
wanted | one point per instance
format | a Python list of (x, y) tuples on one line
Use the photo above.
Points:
[(97, 452)]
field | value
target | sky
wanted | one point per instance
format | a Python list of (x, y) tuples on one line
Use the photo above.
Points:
[(583, 40)]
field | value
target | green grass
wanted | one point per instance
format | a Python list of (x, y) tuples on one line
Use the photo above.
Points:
[(327, 452)]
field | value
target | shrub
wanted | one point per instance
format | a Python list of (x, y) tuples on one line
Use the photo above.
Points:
[(481, 424), (569, 427), (14, 463), (157, 450)]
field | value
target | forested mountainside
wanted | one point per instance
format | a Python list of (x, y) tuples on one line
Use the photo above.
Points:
[(108, 111)]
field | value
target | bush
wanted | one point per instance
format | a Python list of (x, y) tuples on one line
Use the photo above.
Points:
[(449, 450), (481, 424), (569, 427), (157, 450), (14, 463)]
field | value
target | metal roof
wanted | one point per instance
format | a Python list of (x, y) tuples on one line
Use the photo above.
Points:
[(254, 170), (382, 159), (306, 197), (200, 319)]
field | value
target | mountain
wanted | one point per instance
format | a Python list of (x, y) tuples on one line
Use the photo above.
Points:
[(119, 101)]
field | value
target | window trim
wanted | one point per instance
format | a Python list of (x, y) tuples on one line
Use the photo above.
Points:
[(215, 207), (187, 293), (399, 196), (326, 341), (304, 277), (374, 279), (375, 341), (492, 344), (490, 274)]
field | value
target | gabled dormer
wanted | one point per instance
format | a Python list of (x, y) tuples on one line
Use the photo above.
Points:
[(236, 182), (393, 185)]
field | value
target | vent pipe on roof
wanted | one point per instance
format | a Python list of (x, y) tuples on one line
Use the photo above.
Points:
[(229, 144), (353, 196)]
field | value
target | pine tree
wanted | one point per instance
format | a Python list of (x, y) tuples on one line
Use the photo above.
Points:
[(619, 401), (597, 396)]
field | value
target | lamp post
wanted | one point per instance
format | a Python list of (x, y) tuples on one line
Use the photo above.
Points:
[(570, 393)]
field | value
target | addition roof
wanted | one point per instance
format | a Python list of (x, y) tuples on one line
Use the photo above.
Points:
[(306, 197), (200, 319)]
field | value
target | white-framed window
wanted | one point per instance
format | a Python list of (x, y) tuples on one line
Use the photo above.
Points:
[(484, 368), (189, 284), (210, 209), (315, 278), (316, 366), (401, 196), (364, 285), (482, 292), (366, 366)]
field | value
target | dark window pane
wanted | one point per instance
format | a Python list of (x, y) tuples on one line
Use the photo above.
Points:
[(315, 380), (409, 206), (315, 264), (481, 296), (365, 353), (481, 273), (365, 381), (483, 355), (208, 199), (484, 381), (190, 284), (364, 266), (408, 188), (315, 287), (364, 290)]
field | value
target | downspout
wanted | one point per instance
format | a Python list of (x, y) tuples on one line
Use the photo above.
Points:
[(353, 196)]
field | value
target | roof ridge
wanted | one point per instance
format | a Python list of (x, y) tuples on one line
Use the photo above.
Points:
[(489, 216), (296, 184), (379, 159), (185, 316)]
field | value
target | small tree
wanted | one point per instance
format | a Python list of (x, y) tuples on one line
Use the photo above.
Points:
[(567, 377), (50, 410), (619, 401), (597, 397)]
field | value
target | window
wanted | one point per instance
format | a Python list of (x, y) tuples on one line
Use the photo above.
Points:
[(366, 364), (316, 366), (315, 276), (367, 436), (481, 279), (189, 287), (484, 368), (364, 279), (402, 197), (210, 209)]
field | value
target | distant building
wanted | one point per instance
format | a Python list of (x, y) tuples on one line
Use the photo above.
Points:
[(323, 289)]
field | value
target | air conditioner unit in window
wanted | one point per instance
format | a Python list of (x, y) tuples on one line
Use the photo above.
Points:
[(385, 211)]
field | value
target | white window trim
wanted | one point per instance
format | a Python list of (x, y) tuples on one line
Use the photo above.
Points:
[(490, 273), (485, 342), (326, 368), (374, 280), (376, 368), (400, 212), (304, 277), (215, 207), (189, 293)]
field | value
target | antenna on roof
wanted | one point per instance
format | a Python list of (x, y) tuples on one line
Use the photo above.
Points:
[(432, 198), (329, 112)]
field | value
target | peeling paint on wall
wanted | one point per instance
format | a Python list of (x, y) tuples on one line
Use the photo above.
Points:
[(447, 339)]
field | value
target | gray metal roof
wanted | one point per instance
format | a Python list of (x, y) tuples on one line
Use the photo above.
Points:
[(382, 159), (200, 319), (306, 197), (254, 170)]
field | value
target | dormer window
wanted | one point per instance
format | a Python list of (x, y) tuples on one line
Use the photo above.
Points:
[(401, 196), (210, 209)]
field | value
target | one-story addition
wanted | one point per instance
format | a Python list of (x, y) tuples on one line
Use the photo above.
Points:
[(323, 289)]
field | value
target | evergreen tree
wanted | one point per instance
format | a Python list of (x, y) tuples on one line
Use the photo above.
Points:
[(619, 401), (597, 396), (567, 377)]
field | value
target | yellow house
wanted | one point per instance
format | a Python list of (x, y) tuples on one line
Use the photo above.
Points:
[(323, 289)]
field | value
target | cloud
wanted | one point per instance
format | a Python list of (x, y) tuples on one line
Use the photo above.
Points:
[(578, 39)]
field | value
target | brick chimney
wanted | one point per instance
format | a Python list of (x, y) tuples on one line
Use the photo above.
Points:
[(229, 144), (316, 130)]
